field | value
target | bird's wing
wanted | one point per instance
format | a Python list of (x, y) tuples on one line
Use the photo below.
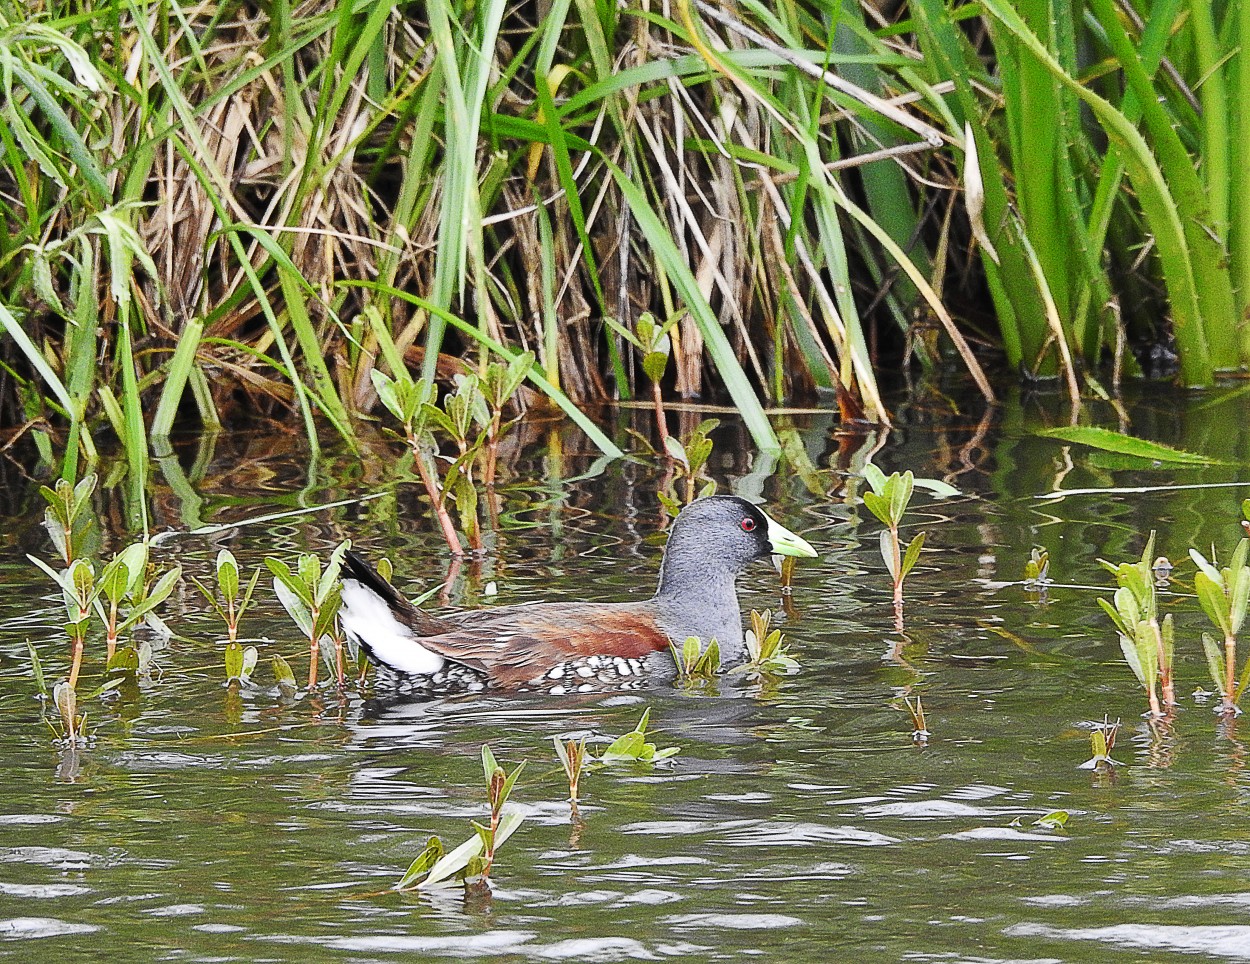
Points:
[(516, 644)]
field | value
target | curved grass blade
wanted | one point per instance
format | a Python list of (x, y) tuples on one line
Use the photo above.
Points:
[(1109, 441)]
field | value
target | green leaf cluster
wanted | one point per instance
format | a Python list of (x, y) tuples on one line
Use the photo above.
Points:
[(310, 596), (694, 661), (231, 606), (766, 649), (1147, 644), (634, 748), (473, 859)]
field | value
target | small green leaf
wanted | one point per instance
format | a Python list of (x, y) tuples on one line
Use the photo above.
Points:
[(509, 783), (1215, 660), (671, 505), (887, 552), (878, 506), (330, 578), (283, 574), (66, 700), (250, 657), (672, 445), (875, 478), (283, 674), (654, 363), (1055, 820), (36, 668), (900, 497), (937, 488), (452, 863), (227, 574), (562, 753), (1134, 662), (294, 606), (489, 765), (234, 661), (1201, 562), (624, 748), (1213, 601), (913, 553), (423, 863), (125, 661)]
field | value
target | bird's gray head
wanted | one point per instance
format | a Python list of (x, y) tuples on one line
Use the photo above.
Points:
[(721, 535)]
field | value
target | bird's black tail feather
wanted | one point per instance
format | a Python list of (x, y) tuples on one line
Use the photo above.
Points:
[(355, 567)]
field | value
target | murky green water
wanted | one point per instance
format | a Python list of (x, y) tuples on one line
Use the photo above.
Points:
[(799, 822)]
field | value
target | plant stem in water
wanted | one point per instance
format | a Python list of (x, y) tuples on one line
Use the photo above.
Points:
[(1230, 675), (436, 500), (661, 421)]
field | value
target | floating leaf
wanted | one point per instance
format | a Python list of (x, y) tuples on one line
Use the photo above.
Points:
[(1055, 820), (1109, 441), (124, 661), (283, 674)]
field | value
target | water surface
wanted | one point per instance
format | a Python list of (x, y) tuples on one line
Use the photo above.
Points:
[(800, 822)]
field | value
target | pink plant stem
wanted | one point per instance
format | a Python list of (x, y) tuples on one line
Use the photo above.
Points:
[(1230, 675), (314, 652), (436, 499), (661, 422)]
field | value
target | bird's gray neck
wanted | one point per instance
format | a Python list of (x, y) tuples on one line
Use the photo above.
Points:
[(697, 597)]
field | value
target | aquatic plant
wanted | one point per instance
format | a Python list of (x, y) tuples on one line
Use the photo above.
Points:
[(231, 605), (466, 419), (408, 400), (1053, 820), (573, 757), (1224, 594), (284, 676), (1102, 742), (128, 580), (1037, 570), (690, 456), (767, 653), (312, 599), (652, 341), (500, 383), (474, 859), (888, 501), (122, 596), (696, 664), (919, 724), (1146, 643), (240, 661), (633, 747), (471, 417), (78, 592), (66, 517)]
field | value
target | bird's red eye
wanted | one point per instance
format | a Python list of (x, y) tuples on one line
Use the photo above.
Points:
[(748, 524)]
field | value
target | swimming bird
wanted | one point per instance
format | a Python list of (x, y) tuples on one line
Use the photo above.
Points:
[(566, 645)]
